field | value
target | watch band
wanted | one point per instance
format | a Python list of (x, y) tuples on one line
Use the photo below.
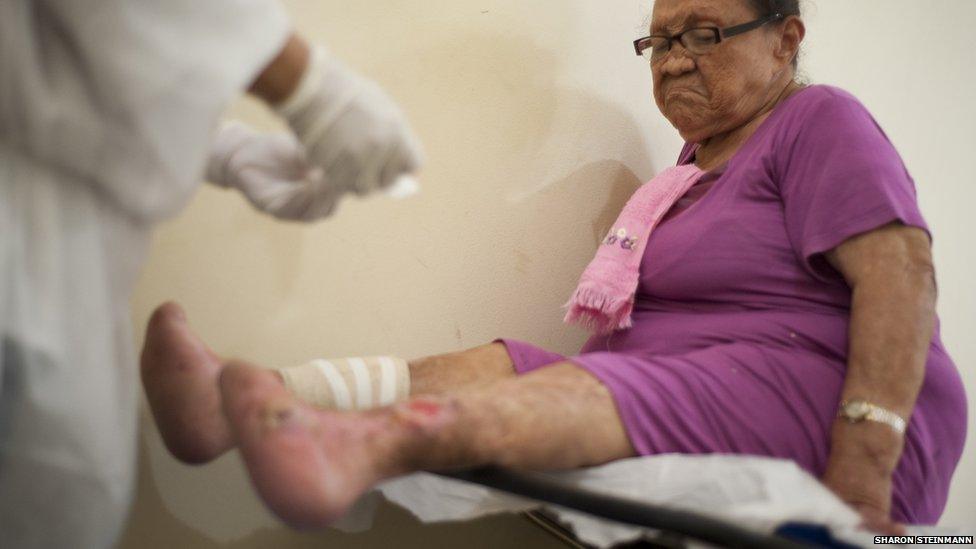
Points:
[(855, 411)]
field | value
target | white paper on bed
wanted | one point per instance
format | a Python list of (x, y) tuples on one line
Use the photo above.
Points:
[(754, 492)]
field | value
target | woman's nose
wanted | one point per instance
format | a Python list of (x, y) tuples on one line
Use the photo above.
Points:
[(676, 64)]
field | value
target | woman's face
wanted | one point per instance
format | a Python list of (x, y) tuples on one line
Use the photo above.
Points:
[(710, 94)]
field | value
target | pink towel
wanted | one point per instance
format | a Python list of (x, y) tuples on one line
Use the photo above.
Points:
[(604, 298)]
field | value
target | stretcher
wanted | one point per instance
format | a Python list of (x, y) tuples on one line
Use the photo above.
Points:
[(666, 501)]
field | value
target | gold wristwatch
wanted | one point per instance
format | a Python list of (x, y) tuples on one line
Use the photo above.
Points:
[(856, 411)]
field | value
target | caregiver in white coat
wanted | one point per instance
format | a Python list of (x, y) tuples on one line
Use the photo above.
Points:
[(107, 117)]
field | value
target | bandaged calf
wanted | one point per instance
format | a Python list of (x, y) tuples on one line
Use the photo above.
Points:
[(358, 383)]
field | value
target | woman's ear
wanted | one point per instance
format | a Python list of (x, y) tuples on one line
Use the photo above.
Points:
[(793, 32)]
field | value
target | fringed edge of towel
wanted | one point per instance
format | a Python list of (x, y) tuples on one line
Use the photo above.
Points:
[(595, 310)]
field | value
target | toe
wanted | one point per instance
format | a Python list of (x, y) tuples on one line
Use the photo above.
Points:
[(167, 312), (160, 332)]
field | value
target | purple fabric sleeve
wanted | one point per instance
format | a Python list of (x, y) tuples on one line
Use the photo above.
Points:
[(527, 357), (841, 177)]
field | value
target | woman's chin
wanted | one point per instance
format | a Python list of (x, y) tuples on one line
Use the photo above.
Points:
[(691, 130), (686, 118)]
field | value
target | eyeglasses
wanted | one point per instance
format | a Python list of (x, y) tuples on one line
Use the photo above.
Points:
[(697, 41)]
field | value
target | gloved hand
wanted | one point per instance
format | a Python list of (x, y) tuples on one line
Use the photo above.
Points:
[(350, 128), (272, 171)]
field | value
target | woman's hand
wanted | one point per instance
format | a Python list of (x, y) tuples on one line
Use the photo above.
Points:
[(862, 459), (864, 497)]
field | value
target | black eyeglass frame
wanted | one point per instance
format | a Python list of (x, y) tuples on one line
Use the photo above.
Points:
[(720, 34)]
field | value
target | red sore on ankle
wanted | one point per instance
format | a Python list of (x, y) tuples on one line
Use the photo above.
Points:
[(423, 414), (425, 407)]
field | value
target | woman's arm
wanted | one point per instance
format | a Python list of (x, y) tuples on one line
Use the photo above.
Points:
[(280, 78), (892, 278)]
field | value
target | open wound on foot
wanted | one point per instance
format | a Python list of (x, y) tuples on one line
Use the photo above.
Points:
[(357, 383), (278, 416)]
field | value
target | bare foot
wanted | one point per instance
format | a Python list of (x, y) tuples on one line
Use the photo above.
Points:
[(180, 374), (311, 465)]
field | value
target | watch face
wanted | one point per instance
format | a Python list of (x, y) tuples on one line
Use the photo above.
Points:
[(856, 409)]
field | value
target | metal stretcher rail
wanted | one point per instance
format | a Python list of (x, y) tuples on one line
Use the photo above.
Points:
[(692, 525)]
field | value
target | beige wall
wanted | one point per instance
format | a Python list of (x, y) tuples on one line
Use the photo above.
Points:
[(538, 123)]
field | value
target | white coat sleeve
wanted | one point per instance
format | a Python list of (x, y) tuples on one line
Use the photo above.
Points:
[(125, 94)]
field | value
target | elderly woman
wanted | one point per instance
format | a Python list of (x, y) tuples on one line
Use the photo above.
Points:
[(785, 307)]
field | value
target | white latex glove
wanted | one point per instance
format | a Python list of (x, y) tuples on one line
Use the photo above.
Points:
[(272, 171), (351, 129)]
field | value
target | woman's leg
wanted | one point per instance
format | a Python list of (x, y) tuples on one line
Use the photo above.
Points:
[(474, 367), (310, 465), (179, 374)]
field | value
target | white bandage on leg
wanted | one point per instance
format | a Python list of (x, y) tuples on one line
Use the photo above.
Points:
[(350, 383)]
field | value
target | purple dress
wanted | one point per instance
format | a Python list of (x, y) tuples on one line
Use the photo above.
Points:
[(739, 343)]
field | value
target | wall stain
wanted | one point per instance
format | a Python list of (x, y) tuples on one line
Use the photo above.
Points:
[(522, 261)]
